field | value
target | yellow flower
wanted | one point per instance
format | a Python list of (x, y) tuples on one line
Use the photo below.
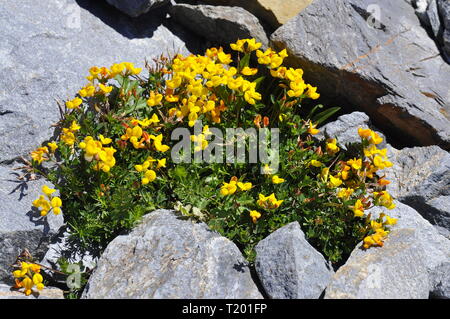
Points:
[(390, 221), (105, 89), (355, 163), (269, 202), (104, 141), (150, 176), (315, 163), (255, 215), (229, 188), (332, 148), (47, 190), (334, 182), (345, 193), (358, 209), (245, 45), (76, 102), (40, 154), (277, 180), (161, 163), (244, 186), (154, 99), (384, 199), (249, 71), (53, 146), (312, 128)]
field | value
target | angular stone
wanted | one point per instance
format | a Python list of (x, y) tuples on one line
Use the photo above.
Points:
[(444, 10), (219, 23), (20, 226), (394, 271), (389, 69), (289, 267), (273, 12), (420, 178), (436, 248), (168, 257), (6, 292), (46, 51), (345, 128), (135, 8)]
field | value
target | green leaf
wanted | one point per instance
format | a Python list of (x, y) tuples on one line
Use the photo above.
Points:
[(323, 116)]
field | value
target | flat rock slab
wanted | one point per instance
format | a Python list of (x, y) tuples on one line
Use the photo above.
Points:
[(6, 292), (383, 64), (46, 51), (20, 226), (168, 257), (219, 23), (289, 267)]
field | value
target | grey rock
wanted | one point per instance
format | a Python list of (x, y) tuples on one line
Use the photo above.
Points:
[(168, 257), (444, 11), (46, 51), (135, 8), (63, 246), (420, 178), (6, 292), (394, 271), (289, 267), (219, 23), (433, 19), (390, 69), (20, 226), (436, 248), (345, 128)]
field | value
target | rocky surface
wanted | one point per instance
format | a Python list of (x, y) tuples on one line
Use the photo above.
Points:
[(413, 263), (436, 248), (6, 292), (289, 267), (135, 8), (168, 257), (420, 176), (345, 128), (47, 48), (273, 12), (391, 69), (421, 179), (219, 23), (20, 226), (395, 271), (444, 10)]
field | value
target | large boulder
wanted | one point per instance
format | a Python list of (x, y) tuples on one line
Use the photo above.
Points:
[(444, 10), (135, 8), (394, 271), (219, 23), (289, 267), (46, 51), (420, 178), (376, 57), (20, 226), (413, 263), (274, 12), (168, 257)]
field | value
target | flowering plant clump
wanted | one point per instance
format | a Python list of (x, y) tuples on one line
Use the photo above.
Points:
[(28, 275), (114, 157)]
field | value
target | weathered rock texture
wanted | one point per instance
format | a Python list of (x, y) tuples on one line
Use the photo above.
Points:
[(395, 271), (47, 293), (414, 262), (390, 69), (167, 257), (421, 179), (135, 8), (289, 267), (219, 23), (20, 226), (273, 12), (46, 50)]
